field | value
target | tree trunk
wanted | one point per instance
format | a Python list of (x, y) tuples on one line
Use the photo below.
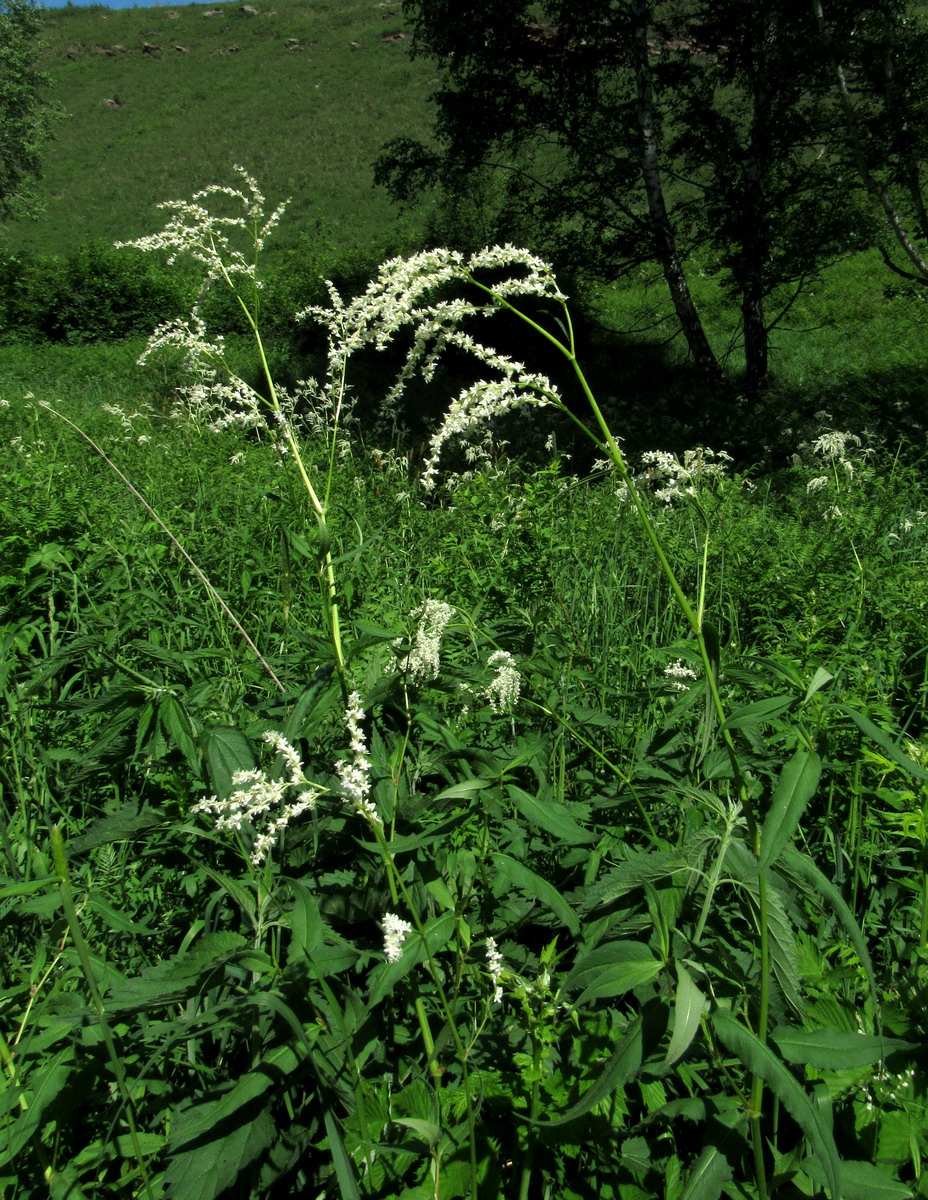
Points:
[(661, 227), (755, 237)]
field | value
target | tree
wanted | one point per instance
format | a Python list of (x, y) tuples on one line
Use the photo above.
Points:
[(879, 60), (26, 117), (632, 132)]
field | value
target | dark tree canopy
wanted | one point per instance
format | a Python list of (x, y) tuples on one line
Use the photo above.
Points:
[(628, 132), (26, 116)]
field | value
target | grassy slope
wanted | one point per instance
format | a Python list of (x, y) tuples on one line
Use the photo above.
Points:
[(307, 122)]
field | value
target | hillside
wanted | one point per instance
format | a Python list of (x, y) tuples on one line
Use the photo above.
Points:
[(162, 101)]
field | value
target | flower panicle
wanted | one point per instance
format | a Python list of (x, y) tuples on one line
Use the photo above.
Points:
[(257, 801), (495, 967), (423, 661), (355, 773), (395, 932), (194, 231), (502, 693)]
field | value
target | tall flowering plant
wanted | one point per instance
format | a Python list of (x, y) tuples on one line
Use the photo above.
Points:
[(435, 301)]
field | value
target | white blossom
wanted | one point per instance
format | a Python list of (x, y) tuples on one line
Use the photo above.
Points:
[(670, 478), (423, 662), (257, 801), (406, 295), (194, 231), (354, 773), (495, 965), (395, 932), (679, 675), (502, 692)]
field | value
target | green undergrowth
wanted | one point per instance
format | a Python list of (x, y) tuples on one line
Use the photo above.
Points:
[(591, 832)]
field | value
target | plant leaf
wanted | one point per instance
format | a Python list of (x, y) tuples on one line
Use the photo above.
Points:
[(860, 1181), (802, 865), (758, 712), (344, 1169), (612, 969), (223, 1147), (175, 979), (542, 891), (688, 1006), (760, 1060), (819, 680), (795, 788), (227, 750), (712, 1170), (622, 1067), (834, 1050), (552, 817), (890, 749)]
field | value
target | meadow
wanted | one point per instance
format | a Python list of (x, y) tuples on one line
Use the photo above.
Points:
[(302, 95), (559, 829)]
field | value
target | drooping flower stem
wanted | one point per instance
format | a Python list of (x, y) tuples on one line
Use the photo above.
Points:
[(694, 618)]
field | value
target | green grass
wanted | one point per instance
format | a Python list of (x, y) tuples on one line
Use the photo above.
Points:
[(307, 122), (593, 816)]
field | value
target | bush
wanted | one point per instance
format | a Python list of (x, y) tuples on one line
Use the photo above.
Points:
[(96, 293)]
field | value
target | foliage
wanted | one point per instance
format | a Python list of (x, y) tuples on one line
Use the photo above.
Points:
[(26, 117), (91, 295), (698, 136), (651, 923)]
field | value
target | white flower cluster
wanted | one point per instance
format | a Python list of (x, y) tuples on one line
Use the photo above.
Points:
[(403, 296), (495, 964), (834, 450), (907, 524), (888, 1088), (125, 419), (216, 395), (214, 240), (395, 932), (502, 693), (670, 478), (354, 773), (257, 801), (423, 661), (678, 675)]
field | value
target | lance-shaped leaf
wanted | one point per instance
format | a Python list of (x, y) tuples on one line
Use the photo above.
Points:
[(539, 889), (622, 1067), (724, 1136), (611, 970), (760, 1060), (795, 788), (689, 1005), (833, 1049)]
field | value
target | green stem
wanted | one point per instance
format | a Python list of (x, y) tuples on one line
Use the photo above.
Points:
[(695, 619), (528, 1159), (327, 568), (460, 1049)]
